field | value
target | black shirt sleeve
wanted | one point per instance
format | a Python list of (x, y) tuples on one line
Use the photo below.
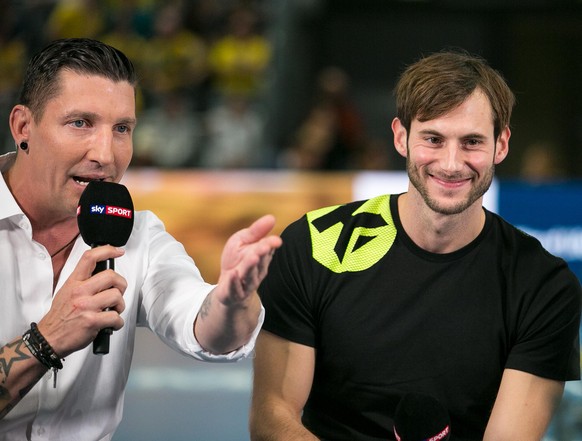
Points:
[(284, 292)]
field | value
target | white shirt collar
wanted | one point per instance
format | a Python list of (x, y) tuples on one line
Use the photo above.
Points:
[(8, 205)]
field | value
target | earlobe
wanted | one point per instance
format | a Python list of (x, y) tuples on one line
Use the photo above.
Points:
[(400, 137)]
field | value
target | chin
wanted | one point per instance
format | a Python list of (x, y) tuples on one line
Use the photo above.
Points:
[(451, 205)]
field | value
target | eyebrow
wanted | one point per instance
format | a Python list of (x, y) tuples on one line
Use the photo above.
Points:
[(94, 116), (432, 132), (128, 121)]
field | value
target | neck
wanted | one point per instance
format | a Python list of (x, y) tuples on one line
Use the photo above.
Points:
[(56, 237), (436, 232), (47, 229), (45, 220)]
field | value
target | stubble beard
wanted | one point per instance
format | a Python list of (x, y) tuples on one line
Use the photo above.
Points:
[(478, 189)]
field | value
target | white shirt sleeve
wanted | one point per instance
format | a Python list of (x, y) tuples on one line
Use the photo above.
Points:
[(173, 290)]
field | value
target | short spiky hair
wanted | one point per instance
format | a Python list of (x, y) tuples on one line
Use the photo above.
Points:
[(438, 83), (81, 55)]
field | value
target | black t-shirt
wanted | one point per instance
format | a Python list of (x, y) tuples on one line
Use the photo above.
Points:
[(387, 317)]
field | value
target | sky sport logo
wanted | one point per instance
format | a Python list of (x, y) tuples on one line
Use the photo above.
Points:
[(111, 210)]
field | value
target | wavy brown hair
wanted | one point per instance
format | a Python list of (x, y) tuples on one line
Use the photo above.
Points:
[(438, 83)]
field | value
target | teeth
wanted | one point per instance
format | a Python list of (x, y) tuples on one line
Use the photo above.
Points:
[(78, 181), (85, 182)]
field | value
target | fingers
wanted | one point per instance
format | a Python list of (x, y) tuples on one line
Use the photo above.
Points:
[(257, 242), (107, 298), (250, 272), (245, 260), (86, 303), (102, 290), (88, 261), (258, 229), (105, 289), (257, 256), (264, 264), (105, 282)]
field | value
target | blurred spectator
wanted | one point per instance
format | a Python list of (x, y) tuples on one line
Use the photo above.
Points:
[(312, 141), (374, 155), (138, 14), (169, 42), (239, 59), (122, 33), (12, 56), (33, 23), (541, 162), (168, 135), (332, 136), (207, 18), (235, 134), (77, 18), (175, 58)]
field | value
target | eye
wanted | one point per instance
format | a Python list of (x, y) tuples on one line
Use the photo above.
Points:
[(472, 142), (123, 128), (433, 140), (78, 123)]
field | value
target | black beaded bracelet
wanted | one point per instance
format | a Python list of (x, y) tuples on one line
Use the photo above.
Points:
[(42, 350)]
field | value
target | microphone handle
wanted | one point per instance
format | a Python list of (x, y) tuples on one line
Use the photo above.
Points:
[(101, 342)]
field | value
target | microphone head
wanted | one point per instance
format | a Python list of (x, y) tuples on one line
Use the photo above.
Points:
[(420, 417), (105, 214)]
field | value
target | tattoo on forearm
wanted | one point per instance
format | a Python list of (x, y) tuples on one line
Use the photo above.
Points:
[(7, 359), (5, 402), (9, 355), (205, 308)]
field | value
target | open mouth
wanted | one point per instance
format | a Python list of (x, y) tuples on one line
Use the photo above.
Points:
[(85, 181)]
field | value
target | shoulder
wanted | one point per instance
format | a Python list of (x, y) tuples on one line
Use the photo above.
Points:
[(343, 238), (518, 241), (148, 230), (370, 213), (377, 208), (532, 264), (145, 219)]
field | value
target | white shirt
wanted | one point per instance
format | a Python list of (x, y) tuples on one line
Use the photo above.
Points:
[(165, 291)]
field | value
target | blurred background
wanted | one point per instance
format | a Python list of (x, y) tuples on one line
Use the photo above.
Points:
[(282, 106)]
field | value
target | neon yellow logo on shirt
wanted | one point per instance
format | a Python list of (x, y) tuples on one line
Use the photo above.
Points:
[(344, 240)]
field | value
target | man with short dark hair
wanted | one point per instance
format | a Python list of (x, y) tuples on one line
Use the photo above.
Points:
[(74, 125)]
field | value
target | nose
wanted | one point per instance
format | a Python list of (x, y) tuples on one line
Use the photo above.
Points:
[(452, 158), (101, 149)]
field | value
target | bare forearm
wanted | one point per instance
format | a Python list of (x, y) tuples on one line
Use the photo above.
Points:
[(223, 328), (524, 407), (19, 372), (269, 427), (284, 433)]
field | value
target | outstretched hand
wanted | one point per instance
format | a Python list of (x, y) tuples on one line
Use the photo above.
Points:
[(230, 312), (245, 260)]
